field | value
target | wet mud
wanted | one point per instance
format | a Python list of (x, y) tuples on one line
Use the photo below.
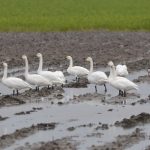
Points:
[(9, 139), (84, 117), (34, 109), (60, 144), (3, 118), (123, 141), (9, 100), (133, 121)]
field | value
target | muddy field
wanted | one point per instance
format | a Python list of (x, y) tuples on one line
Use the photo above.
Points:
[(74, 116)]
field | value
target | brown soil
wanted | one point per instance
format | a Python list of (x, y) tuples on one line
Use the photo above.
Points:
[(55, 46)]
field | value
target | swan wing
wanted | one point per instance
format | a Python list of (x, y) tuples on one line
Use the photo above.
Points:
[(60, 75), (36, 79), (16, 83), (51, 76), (97, 77), (77, 70), (124, 83)]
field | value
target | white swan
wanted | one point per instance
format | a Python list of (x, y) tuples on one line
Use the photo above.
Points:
[(13, 82), (56, 77), (121, 70), (34, 79), (120, 83), (76, 71), (97, 77)]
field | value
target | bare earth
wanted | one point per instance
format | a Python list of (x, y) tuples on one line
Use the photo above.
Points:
[(102, 46)]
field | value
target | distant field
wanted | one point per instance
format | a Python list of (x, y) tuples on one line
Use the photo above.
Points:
[(62, 15)]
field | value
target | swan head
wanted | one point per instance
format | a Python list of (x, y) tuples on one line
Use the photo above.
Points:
[(89, 59), (39, 55), (69, 57), (111, 64), (24, 57), (5, 64)]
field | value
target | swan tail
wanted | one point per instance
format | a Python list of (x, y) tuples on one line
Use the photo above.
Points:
[(136, 87), (103, 80)]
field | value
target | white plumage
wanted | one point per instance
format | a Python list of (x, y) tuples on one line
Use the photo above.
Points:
[(34, 79), (56, 77), (120, 83), (60, 75), (121, 70), (13, 82), (97, 77), (77, 71)]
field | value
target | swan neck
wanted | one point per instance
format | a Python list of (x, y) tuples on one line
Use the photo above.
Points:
[(26, 67), (5, 72), (112, 72), (91, 66), (71, 63), (40, 64)]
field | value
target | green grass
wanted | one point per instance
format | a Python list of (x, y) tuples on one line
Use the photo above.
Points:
[(62, 15)]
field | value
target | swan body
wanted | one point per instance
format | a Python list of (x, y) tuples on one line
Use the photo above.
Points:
[(13, 82), (34, 79), (123, 84), (120, 83), (56, 77), (97, 77), (60, 75), (121, 70), (77, 71)]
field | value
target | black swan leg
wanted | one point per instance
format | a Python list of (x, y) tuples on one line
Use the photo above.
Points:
[(95, 88), (105, 88)]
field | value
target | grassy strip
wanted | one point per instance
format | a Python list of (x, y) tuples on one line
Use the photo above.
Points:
[(62, 15)]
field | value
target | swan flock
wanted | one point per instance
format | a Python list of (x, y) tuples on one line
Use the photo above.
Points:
[(117, 77)]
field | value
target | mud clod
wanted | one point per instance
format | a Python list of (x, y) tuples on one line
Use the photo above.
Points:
[(34, 109), (110, 110), (3, 118), (9, 100), (60, 103), (71, 128), (102, 127), (134, 120)]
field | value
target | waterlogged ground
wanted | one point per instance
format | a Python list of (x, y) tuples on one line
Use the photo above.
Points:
[(75, 117)]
